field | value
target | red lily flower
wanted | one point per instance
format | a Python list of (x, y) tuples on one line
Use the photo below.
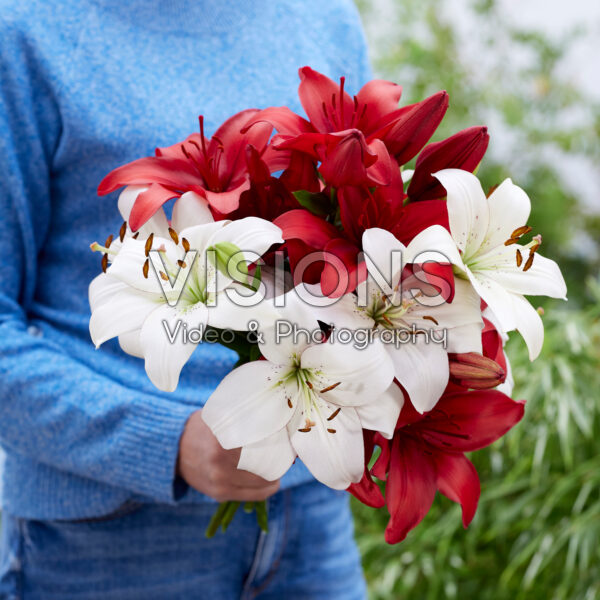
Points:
[(463, 150), (426, 454), (215, 169), (353, 126)]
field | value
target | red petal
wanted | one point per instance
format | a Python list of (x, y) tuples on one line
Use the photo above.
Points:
[(468, 421), (418, 216), (315, 90), (303, 225), (171, 172), (407, 130), (381, 172), (366, 490), (301, 173), (226, 202), (342, 272), (346, 162), (147, 203), (283, 119), (381, 98), (457, 479), (311, 273), (382, 464), (464, 150), (410, 487), (492, 344)]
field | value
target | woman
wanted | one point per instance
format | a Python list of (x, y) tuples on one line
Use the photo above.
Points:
[(108, 483)]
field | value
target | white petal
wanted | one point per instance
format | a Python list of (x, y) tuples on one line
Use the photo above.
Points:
[(189, 210), (509, 382), (250, 234), (468, 211), (130, 343), (129, 262), (363, 374), (529, 324), (465, 338), (156, 224), (165, 357), (335, 459), (249, 405), (422, 369), (407, 175), (269, 458), (509, 208), (433, 244), (281, 344), (542, 279), (125, 311), (199, 236), (227, 314), (102, 288), (382, 414), (496, 297), (378, 245)]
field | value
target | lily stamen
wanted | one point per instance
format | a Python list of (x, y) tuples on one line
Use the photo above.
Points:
[(331, 387)]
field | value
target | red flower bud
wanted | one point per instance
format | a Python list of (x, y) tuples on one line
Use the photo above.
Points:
[(464, 150), (474, 371)]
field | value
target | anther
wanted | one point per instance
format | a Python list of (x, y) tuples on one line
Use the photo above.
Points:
[(123, 231), (305, 430), (331, 387), (331, 430), (309, 384), (510, 241), (519, 258), (148, 245), (108, 241), (104, 262), (519, 231), (182, 264), (173, 235), (135, 235), (431, 319), (289, 401), (145, 268), (163, 276), (334, 414), (185, 244), (529, 262)]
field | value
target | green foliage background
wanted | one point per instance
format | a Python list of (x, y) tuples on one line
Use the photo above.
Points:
[(537, 530)]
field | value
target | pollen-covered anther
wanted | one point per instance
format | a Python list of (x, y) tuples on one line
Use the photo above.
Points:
[(330, 387), (185, 244), (136, 235), (519, 258), (519, 231), (289, 403), (123, 231), (304, 430), (529, 261), (510, 241), (432, 319), (331, 430), (104, 262), (145, 268), (334, 414), (148, 245), (310, 385), (173, 235), (108, 241), (181, 263), (164, 276)]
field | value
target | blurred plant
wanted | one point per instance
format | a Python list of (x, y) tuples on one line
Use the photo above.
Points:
[(540, 124), (537, 530)]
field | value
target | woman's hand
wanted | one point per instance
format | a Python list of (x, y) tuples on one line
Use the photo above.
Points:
[(208, 467)]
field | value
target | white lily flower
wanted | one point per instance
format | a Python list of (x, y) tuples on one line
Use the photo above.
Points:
[(486, 231), (311, 401), (420, 361), (130, 302)]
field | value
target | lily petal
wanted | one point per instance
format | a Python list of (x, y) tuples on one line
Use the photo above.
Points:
[(269, 458), (382, 414), (189, 210), (248, 405)]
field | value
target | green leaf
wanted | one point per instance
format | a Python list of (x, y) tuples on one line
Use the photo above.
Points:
[(317, 203)]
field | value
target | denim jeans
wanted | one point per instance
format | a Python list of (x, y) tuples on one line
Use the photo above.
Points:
[(159, 552)]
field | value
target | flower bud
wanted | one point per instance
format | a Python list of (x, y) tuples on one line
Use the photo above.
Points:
[(464, 150), (474, 371)]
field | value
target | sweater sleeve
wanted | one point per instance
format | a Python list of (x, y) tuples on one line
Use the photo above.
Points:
[(53, 408)]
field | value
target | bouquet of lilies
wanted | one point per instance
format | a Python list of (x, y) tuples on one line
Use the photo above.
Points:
[(369, 303)]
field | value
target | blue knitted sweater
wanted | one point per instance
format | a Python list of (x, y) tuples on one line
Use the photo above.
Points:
[(86, 86)]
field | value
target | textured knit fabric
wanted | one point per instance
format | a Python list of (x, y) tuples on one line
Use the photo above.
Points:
[(84, 87), (159, 552)]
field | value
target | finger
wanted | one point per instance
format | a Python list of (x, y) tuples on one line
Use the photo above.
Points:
[(255, 494), (245, 479)]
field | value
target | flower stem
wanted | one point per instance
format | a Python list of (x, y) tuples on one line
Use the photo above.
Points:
[(226, 511)]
